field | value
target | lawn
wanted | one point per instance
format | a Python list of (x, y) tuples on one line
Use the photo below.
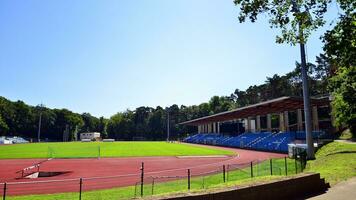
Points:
[(335, 162), (109, 149)]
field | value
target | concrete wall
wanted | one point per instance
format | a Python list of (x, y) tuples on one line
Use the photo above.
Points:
[(292, 188)]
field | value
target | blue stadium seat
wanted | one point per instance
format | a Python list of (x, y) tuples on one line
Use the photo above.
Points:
[(264, 141)]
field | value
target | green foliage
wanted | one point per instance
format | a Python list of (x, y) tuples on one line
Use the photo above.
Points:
[(344, 102), (340, 49), (340, 42), (20, 119), (346, 135), (302, 16), (3, 126)]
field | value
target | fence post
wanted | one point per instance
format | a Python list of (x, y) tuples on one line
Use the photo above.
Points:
[(270, 165), (4, 195), (301, 161), (80, 188), (188, 179), (153, 184), (285, 165), (295, 164), (142, 176), (224, 177), (251, 165)]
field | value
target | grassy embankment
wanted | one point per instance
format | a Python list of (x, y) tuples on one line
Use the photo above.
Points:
[(335, 162)]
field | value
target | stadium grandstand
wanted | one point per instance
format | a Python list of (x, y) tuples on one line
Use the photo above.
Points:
[(265, 126)]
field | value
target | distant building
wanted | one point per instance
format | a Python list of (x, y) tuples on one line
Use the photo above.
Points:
[(3, 140), (12, 140), (90, 136), (17, 140)]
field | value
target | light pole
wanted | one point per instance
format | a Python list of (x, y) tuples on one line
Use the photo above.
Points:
[(306, 98), (168, 124), (39, 124)]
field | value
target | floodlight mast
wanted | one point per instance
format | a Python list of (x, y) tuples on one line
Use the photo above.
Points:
[(306, 98), (39, 124), (168, 124)]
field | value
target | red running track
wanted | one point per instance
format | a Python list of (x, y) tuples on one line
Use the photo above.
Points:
[(107, 173)]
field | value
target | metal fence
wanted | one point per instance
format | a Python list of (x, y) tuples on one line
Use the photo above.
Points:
[(144, 184)]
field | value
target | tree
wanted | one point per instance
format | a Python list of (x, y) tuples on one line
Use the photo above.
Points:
[(340, 42), (344, 102), (91, 123), (284, 15), (102, 127), (340, 47), (3, 127), (121, 126)]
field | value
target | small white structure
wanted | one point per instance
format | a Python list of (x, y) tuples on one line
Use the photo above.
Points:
[(108, 140), (89, 136), (3, 140), (17, 140)]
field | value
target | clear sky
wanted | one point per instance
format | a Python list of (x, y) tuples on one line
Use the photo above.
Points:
[(108, 56)]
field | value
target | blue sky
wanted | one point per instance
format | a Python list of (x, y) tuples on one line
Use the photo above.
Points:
[(108, 56)]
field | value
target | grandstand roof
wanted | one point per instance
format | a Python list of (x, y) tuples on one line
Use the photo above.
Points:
[(272, 106)]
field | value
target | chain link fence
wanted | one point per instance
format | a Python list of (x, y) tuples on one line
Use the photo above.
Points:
[(146, 184)]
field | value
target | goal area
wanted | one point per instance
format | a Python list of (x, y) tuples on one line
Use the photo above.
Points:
[(73, 152)]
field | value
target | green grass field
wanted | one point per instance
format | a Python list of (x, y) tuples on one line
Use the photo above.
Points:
[(335, 162), (109, 149)]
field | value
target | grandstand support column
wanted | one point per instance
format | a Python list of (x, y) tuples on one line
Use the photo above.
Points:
[(281, 122), (269, 122), (218, 127), (299, 120), (249, 124), (214, 127), (315, 118), (209, 128), (286, 121), (199, 131), (258, 123)]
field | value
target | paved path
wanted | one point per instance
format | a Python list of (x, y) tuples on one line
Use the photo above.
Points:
[(342, 191)]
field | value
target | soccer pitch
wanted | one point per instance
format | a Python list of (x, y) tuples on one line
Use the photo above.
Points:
[(101, 149)]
